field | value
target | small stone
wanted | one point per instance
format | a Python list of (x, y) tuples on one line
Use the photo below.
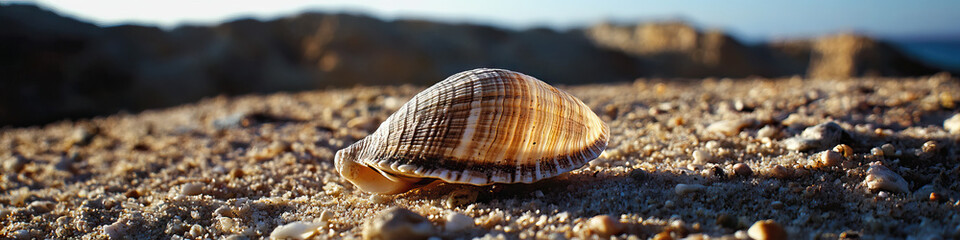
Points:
[(296, 230), (711, 145), (669, 204), (877, 152), (929, 146), (880, 178), (397, 223), (936, 197), (230, 121), (952, 124), (883, 194), (190, 189), (226, 224), (741, 169), (928, 150), (684, 189), (460, 197), (729, 127), (326, 215), (767, 132), (117, 230), (40, 207), (225, 211), (604, 226), (767, 230), (702, 157), (777, 205), (844, 150), (829, 158), (889, 150), (196, 231), (781, 172), (457, 222), (14, 164), (821, 135)]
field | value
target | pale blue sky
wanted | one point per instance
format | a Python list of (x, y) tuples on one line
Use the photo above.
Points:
[(749, 20)]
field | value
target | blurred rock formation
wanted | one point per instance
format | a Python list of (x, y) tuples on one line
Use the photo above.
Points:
[(54, 67)]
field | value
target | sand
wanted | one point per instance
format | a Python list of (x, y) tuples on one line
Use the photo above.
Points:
[(687, 158)]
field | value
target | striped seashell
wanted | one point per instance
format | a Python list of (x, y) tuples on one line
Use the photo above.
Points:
[(478, 127)]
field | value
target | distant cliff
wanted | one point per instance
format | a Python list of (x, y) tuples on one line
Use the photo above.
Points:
[(53, 67)]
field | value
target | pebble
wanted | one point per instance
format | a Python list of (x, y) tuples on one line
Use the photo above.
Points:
[(821, 135), (229, 121), (13, 164), (928, 150), (296, 230), (889, 150), (880, 178), (781, 172), (844, 150), (767, 230), (397, 223), (457, 222), (952, 124), (877, 152), (684, 189), (226, 224), (729, 127), (190, 189), (767, 132), (777, 205), (829, 158), (741, 169), (116, 230), (936, 197), (604, 226), (41, 206), (702, 157)]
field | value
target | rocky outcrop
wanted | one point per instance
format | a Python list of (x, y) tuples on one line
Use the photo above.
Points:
[(54, 67), (676, 49), (848, 55)]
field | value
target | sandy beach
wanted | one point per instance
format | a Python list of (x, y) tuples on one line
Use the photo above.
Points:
[(687, 158)]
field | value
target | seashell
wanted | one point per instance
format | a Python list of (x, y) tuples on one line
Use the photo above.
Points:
[(478, 127)]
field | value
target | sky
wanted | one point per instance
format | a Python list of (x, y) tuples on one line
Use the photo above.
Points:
[(749, 20)]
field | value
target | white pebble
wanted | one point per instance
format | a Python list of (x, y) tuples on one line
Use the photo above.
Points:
[(829, 158), (880, 178), (684, 189), (604, 225), (295, 230), (952, 124), (728, 127), (116, 230), (191, 189), (458, 222), (702, 157), (767, 132)]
